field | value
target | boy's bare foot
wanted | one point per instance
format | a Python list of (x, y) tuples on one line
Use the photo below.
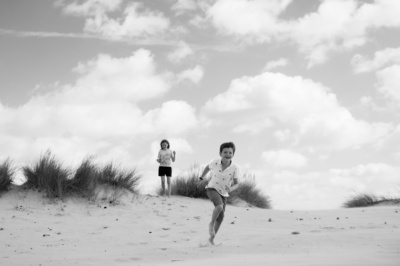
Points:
[(211, 230), (211, 240)]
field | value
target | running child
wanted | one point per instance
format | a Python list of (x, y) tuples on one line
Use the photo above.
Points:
[(224, 179)]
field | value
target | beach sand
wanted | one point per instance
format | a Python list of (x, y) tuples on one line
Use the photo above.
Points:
[(151, 230)]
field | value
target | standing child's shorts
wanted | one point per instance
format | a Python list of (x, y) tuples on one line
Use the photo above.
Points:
[(164, 170)]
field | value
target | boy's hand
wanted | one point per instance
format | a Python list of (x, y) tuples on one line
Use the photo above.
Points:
[(201, 178)]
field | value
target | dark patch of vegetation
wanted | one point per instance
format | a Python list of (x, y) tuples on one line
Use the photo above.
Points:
[(249, 192), (6, 175), (367, 200), (48, 175)]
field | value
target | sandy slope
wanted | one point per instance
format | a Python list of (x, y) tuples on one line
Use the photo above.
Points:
[(149, 230)]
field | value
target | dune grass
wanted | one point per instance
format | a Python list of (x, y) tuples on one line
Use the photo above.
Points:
[(367, 200), (250, 193), (48, 175), (6, 175), (189, 185), (119, 178), (57, 181)]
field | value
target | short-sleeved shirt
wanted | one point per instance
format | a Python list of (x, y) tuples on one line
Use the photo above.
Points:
[(222, 180), (165, 157)]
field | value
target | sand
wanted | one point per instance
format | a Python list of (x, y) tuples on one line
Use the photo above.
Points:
[(151, 230)]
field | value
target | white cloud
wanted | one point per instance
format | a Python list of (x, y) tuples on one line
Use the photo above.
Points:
[(114, 79), (89, 7), (284, 159), (275, 64), (182, 6), (253, 128), (181, 52), (135, 21), (388, 83), (381, 59), (335, 26), (98, 114), (194, 75), (248, 20), (308, 109)]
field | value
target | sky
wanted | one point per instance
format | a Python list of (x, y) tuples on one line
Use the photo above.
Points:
[(307, 90)]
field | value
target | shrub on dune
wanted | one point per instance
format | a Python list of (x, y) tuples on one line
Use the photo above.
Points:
[(6, 175), (118, 178), (249, 192), (85, 179), (366, 200), (190, 186), (48, 175)]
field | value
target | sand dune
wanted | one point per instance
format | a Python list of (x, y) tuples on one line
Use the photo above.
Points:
[(151, 230)]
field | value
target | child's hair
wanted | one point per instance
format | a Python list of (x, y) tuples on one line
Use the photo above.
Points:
[(166, 141), (227, 145)]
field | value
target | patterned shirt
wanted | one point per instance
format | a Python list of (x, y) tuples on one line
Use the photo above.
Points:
[(165, 157), (222, 180)]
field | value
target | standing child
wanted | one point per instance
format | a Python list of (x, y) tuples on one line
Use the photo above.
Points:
[(223, 174), (165, 155)]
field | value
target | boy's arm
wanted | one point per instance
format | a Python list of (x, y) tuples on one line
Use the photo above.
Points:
[(205, 171), (235, 185), (235, 182)]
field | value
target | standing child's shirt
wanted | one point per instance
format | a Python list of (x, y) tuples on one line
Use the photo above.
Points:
[(165, 157), (222, 180)]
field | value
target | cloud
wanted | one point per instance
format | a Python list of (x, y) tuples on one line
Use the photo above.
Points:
[(335, 26), (98, 114), (247, 20), (308, 109), (284, 159), (181, 52), (253, 128), (381, 59), (194, 75), (183, 6), (89, 7), (388, 83), (135, 21), (275, 64)]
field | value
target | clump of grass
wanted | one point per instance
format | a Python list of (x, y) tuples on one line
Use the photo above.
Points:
[(367, 200), (249, 192), (118, 178), (89, 180), (48, 175), (6, 175), (85, 179)]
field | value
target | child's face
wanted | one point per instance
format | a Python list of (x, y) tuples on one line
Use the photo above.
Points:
[(227, 154), (164, 145)]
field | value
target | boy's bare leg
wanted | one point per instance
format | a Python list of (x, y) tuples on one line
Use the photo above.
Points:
[(216, 226), (217, 210)]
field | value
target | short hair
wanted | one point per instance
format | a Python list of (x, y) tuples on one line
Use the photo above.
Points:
[(164, 141), (227, 145)]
